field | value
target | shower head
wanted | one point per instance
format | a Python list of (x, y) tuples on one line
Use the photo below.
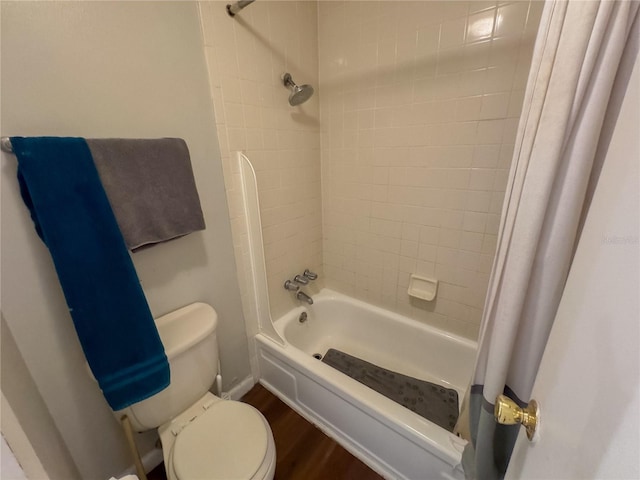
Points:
[(299, 94)]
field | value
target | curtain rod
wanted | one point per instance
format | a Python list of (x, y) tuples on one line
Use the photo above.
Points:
[(234, 8), (5, 145)]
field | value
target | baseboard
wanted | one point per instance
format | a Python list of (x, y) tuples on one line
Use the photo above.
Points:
[(150, 460), (242, 388)]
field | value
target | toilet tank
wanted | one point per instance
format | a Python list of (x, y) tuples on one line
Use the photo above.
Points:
[(190, 343)]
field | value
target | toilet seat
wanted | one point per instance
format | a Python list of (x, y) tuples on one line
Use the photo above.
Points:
[(229, 440)]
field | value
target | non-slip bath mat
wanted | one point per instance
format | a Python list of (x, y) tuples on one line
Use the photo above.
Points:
[(429, 400)]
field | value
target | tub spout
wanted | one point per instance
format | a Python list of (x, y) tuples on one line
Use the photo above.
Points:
[(303, 296)]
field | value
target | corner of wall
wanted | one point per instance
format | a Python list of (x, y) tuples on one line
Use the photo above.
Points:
[(30, 410)]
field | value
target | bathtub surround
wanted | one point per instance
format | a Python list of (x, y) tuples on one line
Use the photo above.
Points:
[(419, 106), (258, 317), (110, 70), (582, 62), (247, 56)]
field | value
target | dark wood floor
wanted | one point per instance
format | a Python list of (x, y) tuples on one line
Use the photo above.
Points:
[(303, 452)]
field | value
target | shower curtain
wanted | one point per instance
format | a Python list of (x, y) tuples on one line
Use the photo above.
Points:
[(579, 72)]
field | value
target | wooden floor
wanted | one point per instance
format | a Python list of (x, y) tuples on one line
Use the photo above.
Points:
[(303, 452)]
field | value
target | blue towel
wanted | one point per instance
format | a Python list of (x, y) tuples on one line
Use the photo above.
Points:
[(60, 185)]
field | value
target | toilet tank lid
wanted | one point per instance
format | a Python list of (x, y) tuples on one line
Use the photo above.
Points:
[(185, 327)]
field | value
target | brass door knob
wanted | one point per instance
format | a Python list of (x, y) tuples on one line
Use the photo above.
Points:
[(507, 412)]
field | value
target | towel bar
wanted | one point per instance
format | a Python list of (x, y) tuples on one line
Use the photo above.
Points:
[(5, 145)]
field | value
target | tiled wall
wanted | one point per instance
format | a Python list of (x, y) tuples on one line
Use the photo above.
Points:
[(419, 110), (246, 56), (419, 103)]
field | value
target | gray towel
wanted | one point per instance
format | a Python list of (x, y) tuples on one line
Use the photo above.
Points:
[(150, 185)]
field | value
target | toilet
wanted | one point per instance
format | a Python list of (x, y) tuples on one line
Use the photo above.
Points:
[(202, 435)]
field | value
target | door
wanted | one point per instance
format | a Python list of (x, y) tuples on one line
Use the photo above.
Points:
[(588, 383)]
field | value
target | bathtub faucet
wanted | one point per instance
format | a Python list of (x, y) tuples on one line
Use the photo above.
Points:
[(292, 287), (310, 275), (303, 296)]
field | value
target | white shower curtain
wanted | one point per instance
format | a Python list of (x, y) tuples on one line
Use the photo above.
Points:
[(579, 68)]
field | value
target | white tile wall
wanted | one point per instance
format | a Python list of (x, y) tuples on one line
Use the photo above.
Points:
[(419, 109), (246, 56), (419, 103)]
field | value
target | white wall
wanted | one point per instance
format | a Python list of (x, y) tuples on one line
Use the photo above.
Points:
[(24, 402), (109, 69), (10, 466)]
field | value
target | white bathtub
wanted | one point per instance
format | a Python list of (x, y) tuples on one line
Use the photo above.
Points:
[(391, 439)]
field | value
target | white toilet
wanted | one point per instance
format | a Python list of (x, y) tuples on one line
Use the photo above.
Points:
[(203, 436)]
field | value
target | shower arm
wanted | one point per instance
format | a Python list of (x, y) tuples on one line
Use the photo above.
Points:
[(288, 81), (234, 8)]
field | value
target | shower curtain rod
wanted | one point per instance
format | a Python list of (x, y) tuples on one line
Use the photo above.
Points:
[(5, 145), (234, 8)]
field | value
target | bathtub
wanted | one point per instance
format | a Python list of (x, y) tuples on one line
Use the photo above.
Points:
[(391, 439)]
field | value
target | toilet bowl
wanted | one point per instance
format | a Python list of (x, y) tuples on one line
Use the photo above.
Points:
[(218, 439), (202, 435)]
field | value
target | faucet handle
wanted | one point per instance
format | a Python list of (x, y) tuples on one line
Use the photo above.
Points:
[(310, 275), (289, 285), (301, 279)]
